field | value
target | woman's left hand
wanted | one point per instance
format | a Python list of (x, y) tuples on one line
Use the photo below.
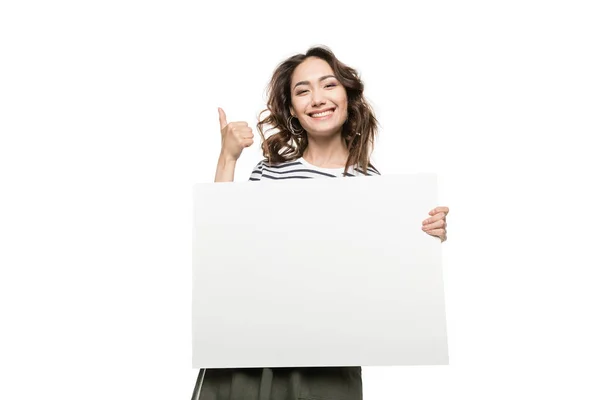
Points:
[(436, 224)]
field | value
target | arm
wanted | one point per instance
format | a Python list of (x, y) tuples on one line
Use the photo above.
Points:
[(235, 137), (225, 169)]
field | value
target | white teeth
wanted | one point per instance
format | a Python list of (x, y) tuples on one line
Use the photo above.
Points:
[(322, 114)]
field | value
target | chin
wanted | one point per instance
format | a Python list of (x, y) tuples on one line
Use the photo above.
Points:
[(325, 133)]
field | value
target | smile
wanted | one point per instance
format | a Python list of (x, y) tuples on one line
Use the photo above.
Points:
[(322, 114)]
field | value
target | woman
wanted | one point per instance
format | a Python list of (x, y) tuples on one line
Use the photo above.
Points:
[(323, 127)]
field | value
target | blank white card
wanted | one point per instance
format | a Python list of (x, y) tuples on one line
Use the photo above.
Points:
[(317, 272)]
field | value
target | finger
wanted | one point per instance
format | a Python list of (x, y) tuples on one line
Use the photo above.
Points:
[(222, 118), (243, 132), (240, 129), (247, 142), (434, 225), (436, 217), (439, 209), (438, 233), (239, 124)]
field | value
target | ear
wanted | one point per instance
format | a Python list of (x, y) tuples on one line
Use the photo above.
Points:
[(292, 112)]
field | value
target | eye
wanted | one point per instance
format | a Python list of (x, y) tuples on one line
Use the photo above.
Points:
[(301, 92), (330, 85)]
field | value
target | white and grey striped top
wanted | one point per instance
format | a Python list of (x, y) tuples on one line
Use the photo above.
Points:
[(302, 169)]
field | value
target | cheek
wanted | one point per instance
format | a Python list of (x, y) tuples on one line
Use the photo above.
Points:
[(298, 107), (343, 104), (342, 101)]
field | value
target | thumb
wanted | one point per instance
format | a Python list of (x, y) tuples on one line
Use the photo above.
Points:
[(222, 118)]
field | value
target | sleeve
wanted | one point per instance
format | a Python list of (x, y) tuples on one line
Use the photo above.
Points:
[(256, 174)]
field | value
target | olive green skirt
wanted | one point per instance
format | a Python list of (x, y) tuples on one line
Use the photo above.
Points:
[(314, 383)]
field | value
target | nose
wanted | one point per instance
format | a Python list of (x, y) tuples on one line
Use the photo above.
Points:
[(317, 98)]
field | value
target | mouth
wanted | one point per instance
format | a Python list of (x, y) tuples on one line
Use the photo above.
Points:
[(322, 113)]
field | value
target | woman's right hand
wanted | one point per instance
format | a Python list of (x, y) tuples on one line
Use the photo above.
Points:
[(235, 136)]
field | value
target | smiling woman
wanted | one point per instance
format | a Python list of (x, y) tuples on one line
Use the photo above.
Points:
[(321, 127), (316, 106)]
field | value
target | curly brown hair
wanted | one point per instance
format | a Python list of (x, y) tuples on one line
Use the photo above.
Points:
[(358, 131)]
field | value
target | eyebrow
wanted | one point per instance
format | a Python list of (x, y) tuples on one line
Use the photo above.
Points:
[(307, 82)]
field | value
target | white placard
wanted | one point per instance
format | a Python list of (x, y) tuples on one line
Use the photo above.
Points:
[(319, 272)]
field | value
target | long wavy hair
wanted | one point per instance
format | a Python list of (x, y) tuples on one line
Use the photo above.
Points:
[(358, 132)]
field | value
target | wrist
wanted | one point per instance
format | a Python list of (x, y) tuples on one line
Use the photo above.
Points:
[(226, 160)]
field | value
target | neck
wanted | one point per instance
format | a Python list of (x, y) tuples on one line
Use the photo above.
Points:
[(326, 152)]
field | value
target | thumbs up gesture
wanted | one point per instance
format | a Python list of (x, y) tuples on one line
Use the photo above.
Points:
[(235, 136)]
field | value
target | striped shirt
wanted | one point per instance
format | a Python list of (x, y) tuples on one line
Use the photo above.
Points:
[(302, 169)]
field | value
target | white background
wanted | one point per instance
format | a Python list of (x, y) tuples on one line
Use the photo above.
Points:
[(108, 116)]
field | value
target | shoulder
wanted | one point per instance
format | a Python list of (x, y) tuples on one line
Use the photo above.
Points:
[(257, 171), (284, 170)]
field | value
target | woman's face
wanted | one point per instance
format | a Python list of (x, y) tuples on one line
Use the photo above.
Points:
[(319, 101)]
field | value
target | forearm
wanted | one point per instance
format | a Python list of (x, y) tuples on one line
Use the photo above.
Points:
[(225, 169)]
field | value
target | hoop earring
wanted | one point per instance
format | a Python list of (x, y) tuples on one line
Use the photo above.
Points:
[(295, 131)]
